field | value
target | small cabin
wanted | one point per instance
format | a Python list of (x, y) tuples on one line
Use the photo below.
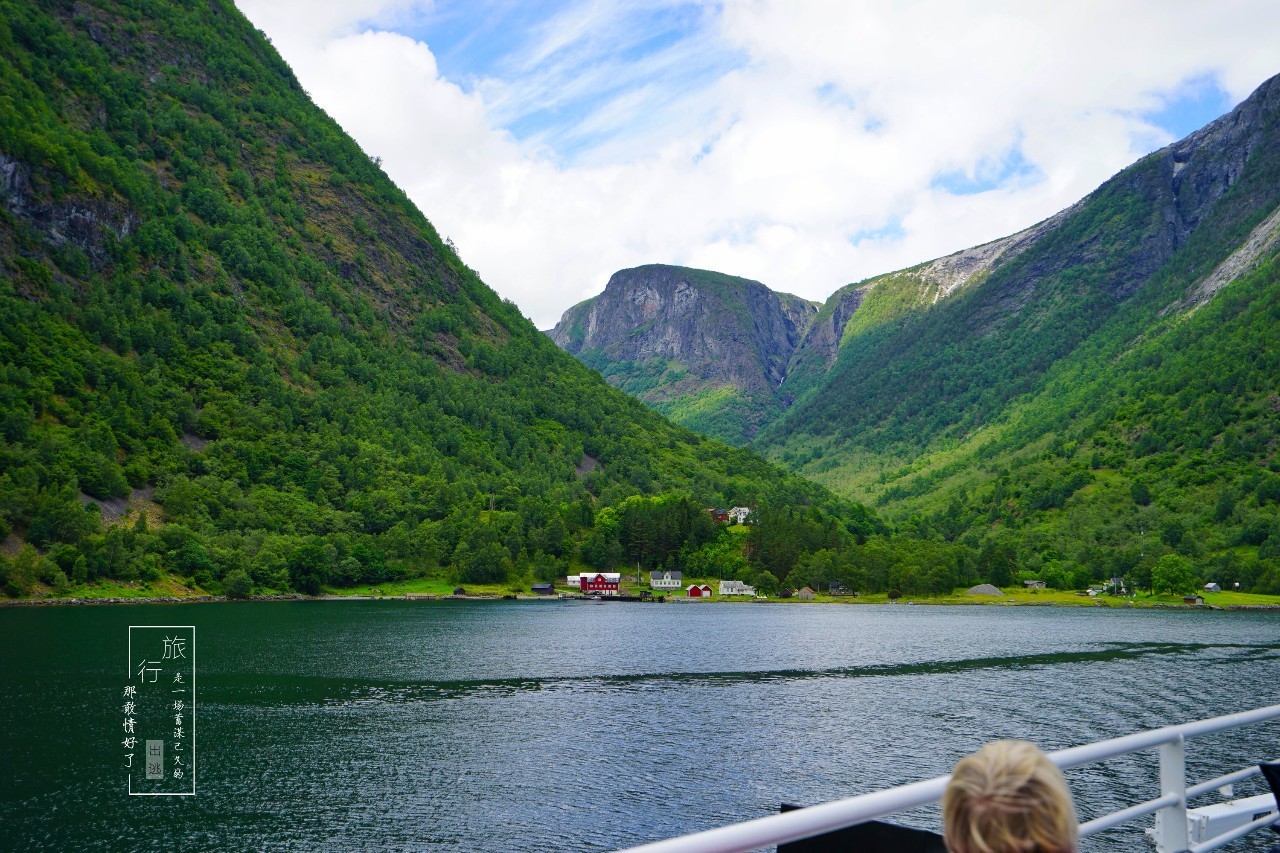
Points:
[(457, 590), (543, 589), (805, 593), (698, 590), (1212, 587), (1034, 584), (1193, 599)]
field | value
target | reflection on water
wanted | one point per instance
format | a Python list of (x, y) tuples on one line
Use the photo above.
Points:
[(548, 725)]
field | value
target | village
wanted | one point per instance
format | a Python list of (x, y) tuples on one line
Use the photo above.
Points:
[(664, 584)]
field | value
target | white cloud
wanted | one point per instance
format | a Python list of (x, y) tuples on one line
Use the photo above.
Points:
[(770, 135)]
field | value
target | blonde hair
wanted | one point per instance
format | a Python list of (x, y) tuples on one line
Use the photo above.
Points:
[(1008, 797)]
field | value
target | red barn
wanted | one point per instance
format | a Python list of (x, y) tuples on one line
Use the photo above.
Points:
[(601, 583), (698, 591)]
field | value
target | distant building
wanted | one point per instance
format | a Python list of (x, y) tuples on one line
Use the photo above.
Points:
[(736, 588), (836, 588), (666, 579), (805, 593), (1193, 599), (457, 590), (719, 516), (738, 515), (1033, 584), (543, 589), (600, 583), (698, 590), (1212, 587)]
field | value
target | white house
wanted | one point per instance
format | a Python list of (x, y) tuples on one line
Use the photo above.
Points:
[(738, 515), (736, 588), (666, 579)]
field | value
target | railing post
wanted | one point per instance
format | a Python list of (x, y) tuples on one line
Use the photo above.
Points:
[(1171, 821)]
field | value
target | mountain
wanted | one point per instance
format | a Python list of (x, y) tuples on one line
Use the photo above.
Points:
[(230, 344), (706, 349), (1093, 392), (727, 356), (1099, 393)]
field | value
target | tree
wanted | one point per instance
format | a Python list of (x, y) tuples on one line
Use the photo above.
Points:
[(23, 572), (997, 563), (308, 568), (1173, 574), (238, 584)]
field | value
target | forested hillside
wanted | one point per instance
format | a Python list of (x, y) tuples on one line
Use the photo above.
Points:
[(229, 344)]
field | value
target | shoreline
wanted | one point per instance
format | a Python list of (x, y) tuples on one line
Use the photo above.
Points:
[(421, 597)]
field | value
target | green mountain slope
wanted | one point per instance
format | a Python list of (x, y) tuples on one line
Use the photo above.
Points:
[(229, 343), (1102, 396), (706, 349)]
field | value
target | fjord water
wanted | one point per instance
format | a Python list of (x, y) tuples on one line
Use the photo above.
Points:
[(565, 726)]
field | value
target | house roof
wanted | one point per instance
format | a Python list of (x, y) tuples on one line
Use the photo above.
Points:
[(672, 574)]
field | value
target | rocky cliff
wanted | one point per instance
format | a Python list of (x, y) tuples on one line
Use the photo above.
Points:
[(708, 349)]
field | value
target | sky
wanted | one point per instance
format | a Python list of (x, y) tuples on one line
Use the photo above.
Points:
[(806, 144)]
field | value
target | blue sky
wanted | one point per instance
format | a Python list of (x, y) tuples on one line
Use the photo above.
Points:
[(1191, 106), (558, 78), (803, 143)]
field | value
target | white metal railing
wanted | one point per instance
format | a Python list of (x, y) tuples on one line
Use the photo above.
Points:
[(1170, 807)]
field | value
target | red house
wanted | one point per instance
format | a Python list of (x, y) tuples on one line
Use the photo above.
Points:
[(601, 583), (698, 591)]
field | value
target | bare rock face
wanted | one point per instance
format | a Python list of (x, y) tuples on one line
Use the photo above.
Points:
[(669, 333), (87, 224)]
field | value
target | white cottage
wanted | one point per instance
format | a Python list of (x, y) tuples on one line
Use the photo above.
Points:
[(736, 588), (666, 579)]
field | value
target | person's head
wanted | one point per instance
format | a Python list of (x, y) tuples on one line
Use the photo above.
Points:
[(1008, 797)]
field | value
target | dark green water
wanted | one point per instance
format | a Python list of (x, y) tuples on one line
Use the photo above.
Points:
[(547, 725)]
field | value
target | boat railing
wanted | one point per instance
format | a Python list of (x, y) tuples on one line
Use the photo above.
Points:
[(1170, 835)]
